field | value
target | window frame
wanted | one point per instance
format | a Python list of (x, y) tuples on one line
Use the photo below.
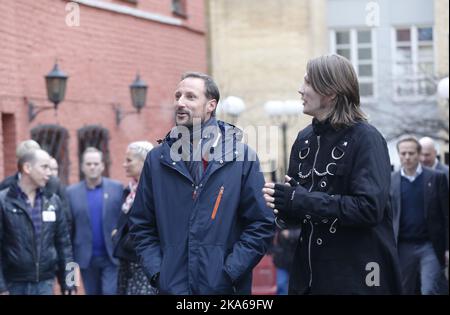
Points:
[(353, 45), (57, 149), (179, 8), (417, 76)]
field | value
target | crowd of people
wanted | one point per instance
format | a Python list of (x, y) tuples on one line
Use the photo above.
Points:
[(197, 215)]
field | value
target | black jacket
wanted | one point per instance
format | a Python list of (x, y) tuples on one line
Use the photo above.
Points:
[(21, 259), (123, 244), (342, 203), (54, 186)]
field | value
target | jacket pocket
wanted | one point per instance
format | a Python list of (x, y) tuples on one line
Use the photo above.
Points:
[(217, 203), (212, 276)]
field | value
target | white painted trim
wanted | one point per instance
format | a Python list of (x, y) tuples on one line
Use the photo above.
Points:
[(332, 38), (415, 59), (354, 49), (117, 8), (374, 43)]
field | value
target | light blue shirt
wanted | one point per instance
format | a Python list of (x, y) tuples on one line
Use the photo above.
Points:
[(411, 178)]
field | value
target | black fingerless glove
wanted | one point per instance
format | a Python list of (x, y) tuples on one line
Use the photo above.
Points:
[(283, 196)]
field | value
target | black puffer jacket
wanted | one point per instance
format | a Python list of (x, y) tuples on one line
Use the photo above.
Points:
[(342, 204), (54, 186), (21, 259)]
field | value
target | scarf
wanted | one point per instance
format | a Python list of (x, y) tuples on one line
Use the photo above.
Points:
[(126, 206)]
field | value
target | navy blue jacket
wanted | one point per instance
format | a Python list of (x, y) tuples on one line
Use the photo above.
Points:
[(435, 205), (81, 229), (203, 239)]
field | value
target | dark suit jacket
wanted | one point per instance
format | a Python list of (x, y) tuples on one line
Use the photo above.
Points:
[(442, 168), (436, 208), (81, 229)]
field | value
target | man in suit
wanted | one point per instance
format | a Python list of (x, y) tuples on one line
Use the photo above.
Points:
[(428, 156), (95, 204), (420, 217)]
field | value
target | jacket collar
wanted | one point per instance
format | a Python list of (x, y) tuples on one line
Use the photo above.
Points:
[(412, 178), (13, 194), (223, 143), (322, 127), (221, 136)]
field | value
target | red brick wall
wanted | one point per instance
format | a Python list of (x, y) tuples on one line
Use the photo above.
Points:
[(101, 57)]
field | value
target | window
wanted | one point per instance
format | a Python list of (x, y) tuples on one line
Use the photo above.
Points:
[(179, 8), (8, 144), (413, 68), (94, 136), (357, 46), (54, 139)]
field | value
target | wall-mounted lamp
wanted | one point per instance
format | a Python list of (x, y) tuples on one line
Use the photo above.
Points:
[(55, 82), (138, 91), (284, 113)]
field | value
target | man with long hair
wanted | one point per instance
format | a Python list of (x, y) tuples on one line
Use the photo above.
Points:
[(338, 191)]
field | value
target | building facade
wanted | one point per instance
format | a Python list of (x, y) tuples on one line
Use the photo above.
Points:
[(258, 52), (259, 49), (400, 52), (101, 46)]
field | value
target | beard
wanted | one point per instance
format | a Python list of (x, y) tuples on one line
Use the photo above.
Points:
[(183, 118)]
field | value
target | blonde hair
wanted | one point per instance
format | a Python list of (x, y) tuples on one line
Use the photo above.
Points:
[(335, 75), (140, 148), (409, 138), (25, 147)]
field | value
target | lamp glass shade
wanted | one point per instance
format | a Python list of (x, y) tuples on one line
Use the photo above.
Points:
[(443, 88), (56, 82), (233, 105), (138, 91)]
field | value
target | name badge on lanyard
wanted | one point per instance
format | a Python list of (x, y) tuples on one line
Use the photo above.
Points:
[(48, 216)]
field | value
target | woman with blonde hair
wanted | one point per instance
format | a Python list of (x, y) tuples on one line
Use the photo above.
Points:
[(131, 278)]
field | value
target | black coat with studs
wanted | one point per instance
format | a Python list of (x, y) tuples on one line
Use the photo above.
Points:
[(342, 204)]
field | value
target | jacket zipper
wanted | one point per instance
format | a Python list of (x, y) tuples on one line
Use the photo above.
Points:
[(216, 205), (312, 225), (309, 253), (194, 193), (43, 206), (314, 164)]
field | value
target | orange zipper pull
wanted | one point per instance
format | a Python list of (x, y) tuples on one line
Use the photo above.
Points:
[(216, 205)]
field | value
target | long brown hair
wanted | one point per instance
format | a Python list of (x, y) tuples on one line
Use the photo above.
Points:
[(334, 75)]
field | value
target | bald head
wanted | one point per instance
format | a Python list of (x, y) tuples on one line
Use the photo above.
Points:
[(429, 152)]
